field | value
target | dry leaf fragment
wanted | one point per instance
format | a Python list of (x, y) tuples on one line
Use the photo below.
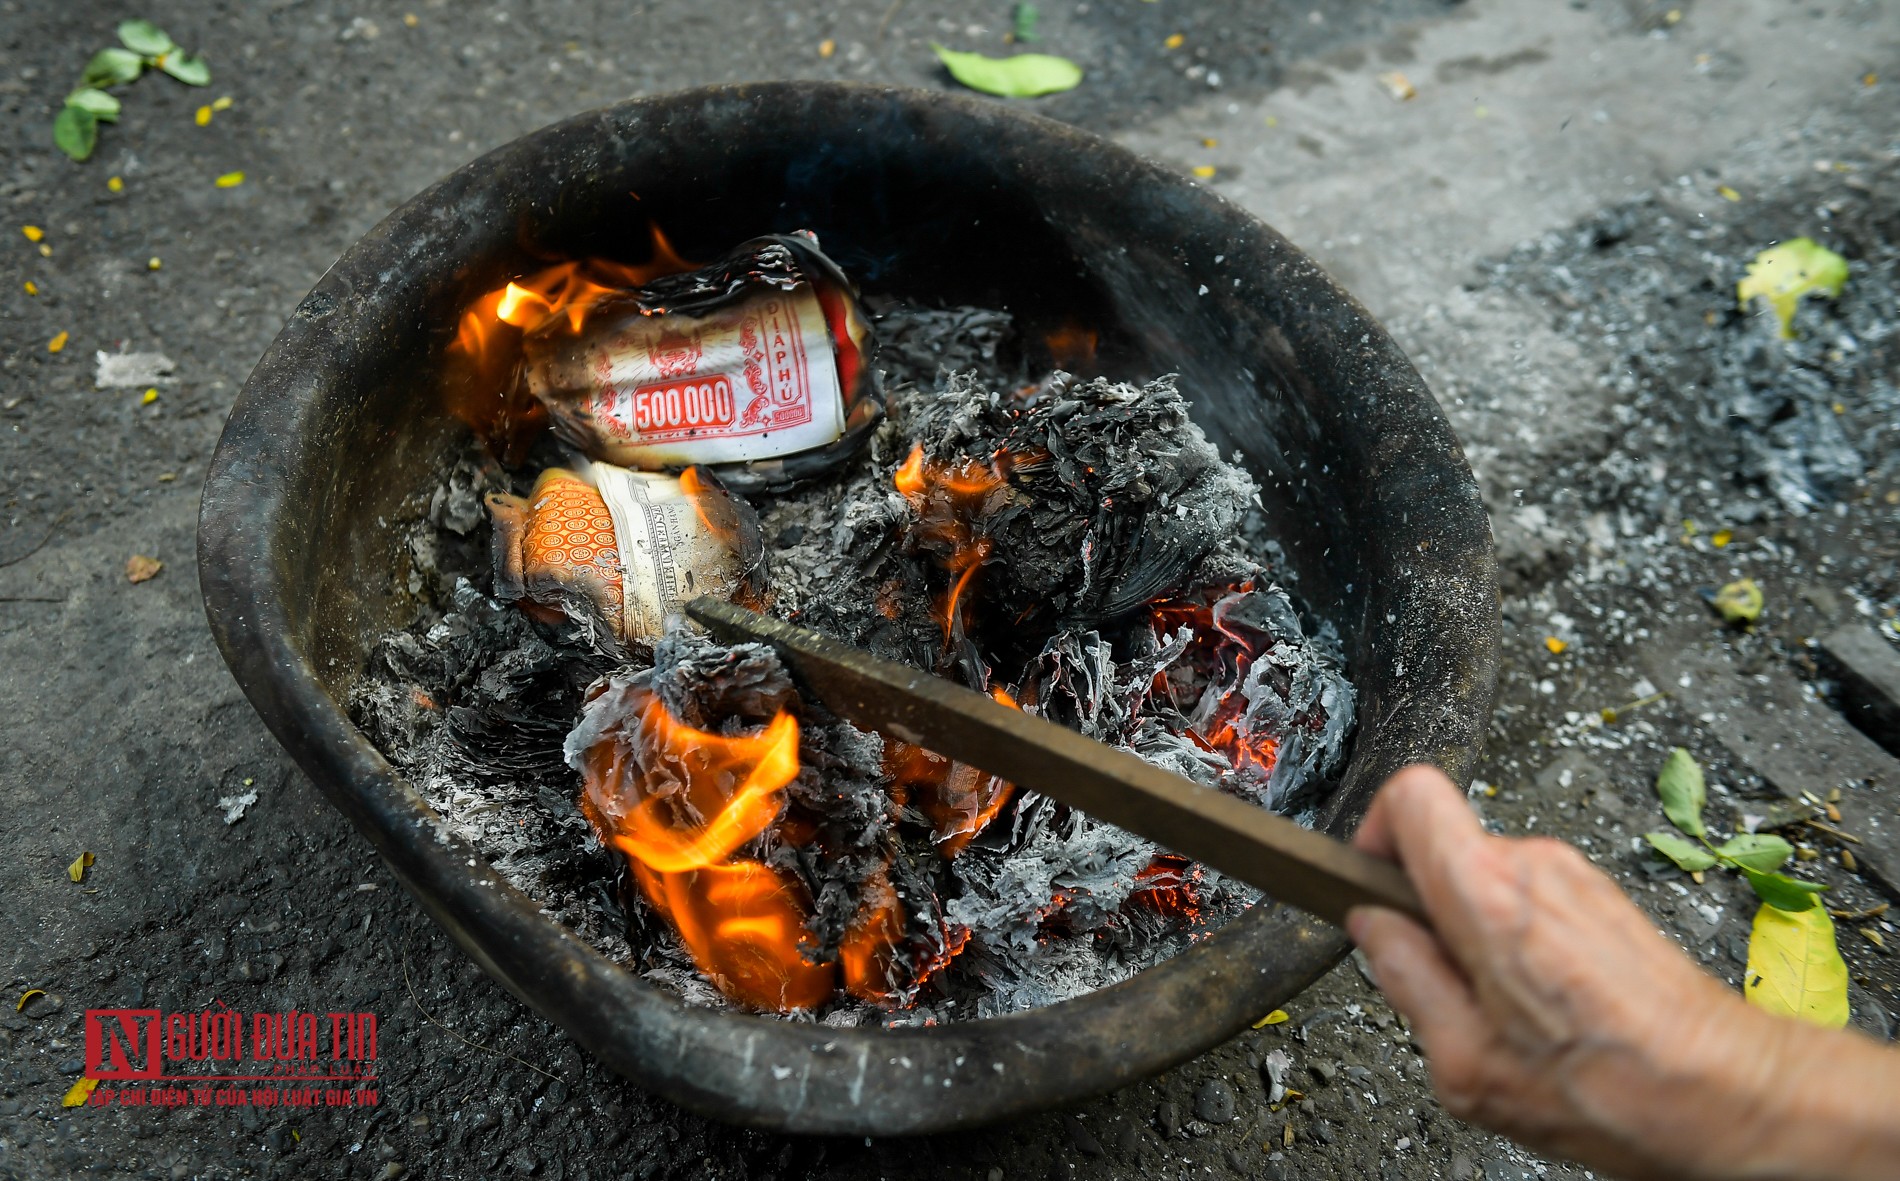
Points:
[(139, 568), (1286, 1134), (1398, 86), (1277, 1017), (26, 996), (77, 870), (1783, 274), (80, 1093), (1872, 936)]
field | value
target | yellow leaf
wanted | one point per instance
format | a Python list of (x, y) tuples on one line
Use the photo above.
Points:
[(33, 233), (1794, 969), (230, 180), (26, 996), (79, 1093), (1783, 274), (1739, 601), (222, 103), (58, 342), (141, 568), (1277, 1017), (77, 870)]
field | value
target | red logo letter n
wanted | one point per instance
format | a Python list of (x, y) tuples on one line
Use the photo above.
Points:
[(123, 1043)]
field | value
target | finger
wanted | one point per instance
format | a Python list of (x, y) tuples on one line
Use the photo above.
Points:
[(1378, 834), (1419, 978)]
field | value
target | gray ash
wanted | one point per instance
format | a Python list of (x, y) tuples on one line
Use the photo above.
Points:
[(1125, 588)]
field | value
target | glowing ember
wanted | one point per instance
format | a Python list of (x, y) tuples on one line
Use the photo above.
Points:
[(959, 799), (1170, 886), (1217, 661)]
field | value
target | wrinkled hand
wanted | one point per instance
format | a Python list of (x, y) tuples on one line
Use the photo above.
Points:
[(1551, 1009)]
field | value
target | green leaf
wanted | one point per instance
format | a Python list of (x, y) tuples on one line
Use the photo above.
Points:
[(112, 67), (1794, 967), (1760, 851), (1738, 602), (76, 131), (1781, 891), (1023, 21), (1024, 76), (1684, 852), (144, 37), (103, 106), (187, 68), (1680, 786), (1783, 274)]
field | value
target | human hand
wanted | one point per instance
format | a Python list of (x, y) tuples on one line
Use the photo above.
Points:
[(1551, 1009)]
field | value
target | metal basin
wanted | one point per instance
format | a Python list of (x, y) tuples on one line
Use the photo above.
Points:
[(341, 433)]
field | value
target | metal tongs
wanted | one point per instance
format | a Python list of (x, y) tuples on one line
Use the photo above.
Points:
[(1295, 865)]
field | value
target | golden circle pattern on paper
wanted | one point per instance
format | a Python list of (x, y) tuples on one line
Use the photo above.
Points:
[(570, 539)]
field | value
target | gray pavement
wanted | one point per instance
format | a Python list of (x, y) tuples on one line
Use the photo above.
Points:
[(122, 731)]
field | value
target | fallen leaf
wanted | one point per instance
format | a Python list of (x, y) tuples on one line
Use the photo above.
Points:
[(80, 1093), (1794, 968), (58, 342), (1683, 792), (1781, 891), (1738, 602), (1756, 850), (1026, 75), (229, 180), (1783, 274), (75, 132), (112, 67), (139, 568), (1023, 19), (1555, 645), (77, 870), (144, 37), (1872, 936), (1398, 86), (1277, 1017), (26, 996), (1684, 852)]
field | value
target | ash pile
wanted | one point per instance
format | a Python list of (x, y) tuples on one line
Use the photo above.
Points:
[(1074, 548)]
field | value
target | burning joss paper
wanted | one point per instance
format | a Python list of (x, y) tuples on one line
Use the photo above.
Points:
[(756, 363), (618, 551)]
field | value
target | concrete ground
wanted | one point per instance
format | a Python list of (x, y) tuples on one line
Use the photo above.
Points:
[(1523, 224)]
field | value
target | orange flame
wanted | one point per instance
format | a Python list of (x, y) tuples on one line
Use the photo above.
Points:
[(1222, 652), (950, 500), (959, 799), (1170, 885), (1072, 348), (484, 358), (684, 804)]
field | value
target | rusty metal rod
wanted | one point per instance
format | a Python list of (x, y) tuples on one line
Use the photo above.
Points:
[(1303, 868)]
